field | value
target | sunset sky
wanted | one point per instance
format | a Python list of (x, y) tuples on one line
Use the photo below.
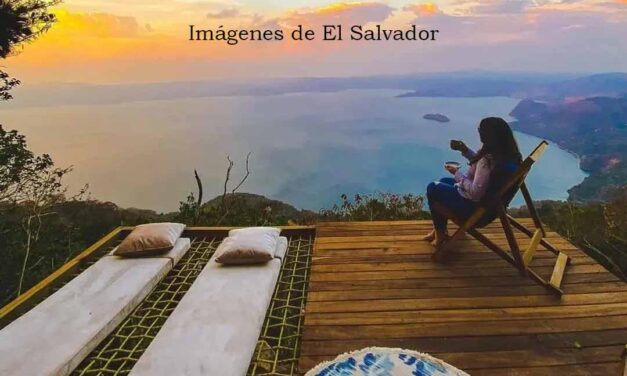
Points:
[(100, 41)]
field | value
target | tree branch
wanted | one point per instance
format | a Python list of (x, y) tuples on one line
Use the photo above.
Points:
[(226, 180), (199, 202), (245, 176), (226, 208)]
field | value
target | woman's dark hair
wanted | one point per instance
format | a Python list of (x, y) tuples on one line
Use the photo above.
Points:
[(498, 142), (501, 151)]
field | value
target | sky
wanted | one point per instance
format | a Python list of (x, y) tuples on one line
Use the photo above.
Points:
[(122, 41)]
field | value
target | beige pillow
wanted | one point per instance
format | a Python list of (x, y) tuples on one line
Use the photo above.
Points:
[(256, 231), (248, 246), (150, 239)]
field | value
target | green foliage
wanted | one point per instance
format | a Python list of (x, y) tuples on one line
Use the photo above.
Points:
[(40, 227), (73, 225), (19, 167), (21, 21), (30, 188), (6, 84), (378, 206), (601, 184)]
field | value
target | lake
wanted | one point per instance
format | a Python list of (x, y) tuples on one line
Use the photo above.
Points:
[(307, 148)]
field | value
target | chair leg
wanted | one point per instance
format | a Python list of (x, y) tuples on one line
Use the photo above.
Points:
[(511, 240), (507, 257), (492, 246), (529, 233), (532, 208)]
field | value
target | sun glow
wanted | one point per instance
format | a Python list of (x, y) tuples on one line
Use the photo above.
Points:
[(333, 8), (428, 8)]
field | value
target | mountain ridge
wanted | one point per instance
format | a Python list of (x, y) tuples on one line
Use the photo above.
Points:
[(594, 128), (452, 84)]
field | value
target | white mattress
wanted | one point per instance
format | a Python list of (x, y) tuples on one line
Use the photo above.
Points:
[(215, 327), (56, 335)]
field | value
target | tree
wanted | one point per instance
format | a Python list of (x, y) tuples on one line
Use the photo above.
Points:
[(21, 21), (6, 84), (19, 167), (31, 185)]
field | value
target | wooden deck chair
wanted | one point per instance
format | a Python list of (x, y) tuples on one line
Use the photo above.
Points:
[(498, 206)]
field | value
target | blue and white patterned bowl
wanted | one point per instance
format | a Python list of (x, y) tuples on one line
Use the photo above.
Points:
[(377, 361)]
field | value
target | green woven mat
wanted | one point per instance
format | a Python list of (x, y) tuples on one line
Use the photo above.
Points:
[(278, 346), (117, 354)]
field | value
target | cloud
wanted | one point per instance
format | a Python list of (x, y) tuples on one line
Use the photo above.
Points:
[(225, 13), (338, 13), (501, 6), (151, 10), (509, 7), (538, 22), (100, 25), (82, 38), (424, 9), (544, 35)]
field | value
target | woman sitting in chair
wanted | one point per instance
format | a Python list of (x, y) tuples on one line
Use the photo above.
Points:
[(489, 166)]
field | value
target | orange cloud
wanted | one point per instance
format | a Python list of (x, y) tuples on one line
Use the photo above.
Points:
[(83, 37), (424, 9), (101, 25), (106, 48), (81, 41), (338, 13)]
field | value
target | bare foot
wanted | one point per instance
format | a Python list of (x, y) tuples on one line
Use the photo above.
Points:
[(438, 241), (430, 236), (441, 255)]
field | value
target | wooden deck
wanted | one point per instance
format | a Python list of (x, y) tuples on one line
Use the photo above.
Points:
[(374, 284)]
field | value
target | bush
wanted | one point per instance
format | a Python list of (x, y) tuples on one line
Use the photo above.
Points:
[(378, 206), (241, 209)]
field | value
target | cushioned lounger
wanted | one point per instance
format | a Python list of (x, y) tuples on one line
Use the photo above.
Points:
[(215, 327), (56, 335)]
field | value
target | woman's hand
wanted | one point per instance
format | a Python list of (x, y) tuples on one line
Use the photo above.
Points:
[(451, 169), (459, 146)]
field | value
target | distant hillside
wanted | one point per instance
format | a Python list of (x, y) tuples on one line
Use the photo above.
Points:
[(606, 84), (446, 84), (594, 128), (466, 88), (242, 209), (278, 208)]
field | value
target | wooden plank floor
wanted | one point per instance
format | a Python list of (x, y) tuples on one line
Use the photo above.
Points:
[(374, 284)]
